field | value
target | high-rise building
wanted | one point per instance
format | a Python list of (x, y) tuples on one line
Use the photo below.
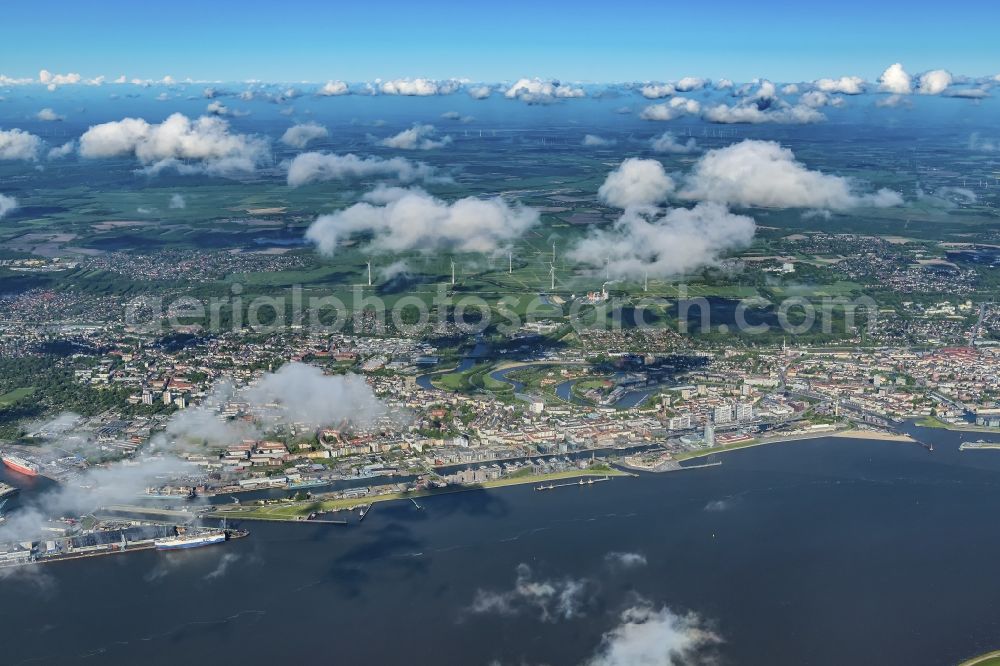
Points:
[(744, 411), (679, 422), (723, 413)]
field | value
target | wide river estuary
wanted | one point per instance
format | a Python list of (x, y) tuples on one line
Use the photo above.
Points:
[(827, 551)]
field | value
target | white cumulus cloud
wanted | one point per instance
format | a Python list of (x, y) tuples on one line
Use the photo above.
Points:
[(455, 115), (49, 115), (675, 108), (689, 83), (759, 103), (190, 146), (765, 93), (816, 99), (647, 636), (297, 136), (47, 78), (845, 85), (541, 91), (752, 114), (418, 137), (967, 93), (316, 167), (550, 600), (568, 92), (668, 143), (217, 108), (895, 80), (16, 144), (396, 269), (762, 173), (934, 82), (479, 92), (418, 87), (7, 205), (657, 90), (636, 182), (594, 141), (59, 152), (626, 560), (333, 89), (302, 393), (643, 242), (413, 219), (14, 81)]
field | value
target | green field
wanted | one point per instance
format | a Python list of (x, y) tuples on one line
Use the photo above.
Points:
[(16, 395)]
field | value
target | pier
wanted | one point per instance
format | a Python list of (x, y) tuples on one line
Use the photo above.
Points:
[(172, 515), (978, 446), (581, 482), (684, 467)]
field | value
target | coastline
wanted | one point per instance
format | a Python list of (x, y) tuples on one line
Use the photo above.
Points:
[(855, 433), (602, 451), (988, 659), (139, 546), (932, 422), (298, 511), (846, 433), (289, 510)]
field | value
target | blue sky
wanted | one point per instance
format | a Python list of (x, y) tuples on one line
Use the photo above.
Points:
[(294, 40)]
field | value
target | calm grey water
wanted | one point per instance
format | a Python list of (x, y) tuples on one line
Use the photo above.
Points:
[(820, 552)]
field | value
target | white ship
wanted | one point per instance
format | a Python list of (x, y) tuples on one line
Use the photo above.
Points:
[(190, 540)]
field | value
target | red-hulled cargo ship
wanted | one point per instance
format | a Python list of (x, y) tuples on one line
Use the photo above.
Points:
[(20, 465)]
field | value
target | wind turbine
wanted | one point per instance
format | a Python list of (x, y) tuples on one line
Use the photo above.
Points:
[(369, 272), (553, 252), (552, 274), (453, 272), (645, 281), (510, 263)]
